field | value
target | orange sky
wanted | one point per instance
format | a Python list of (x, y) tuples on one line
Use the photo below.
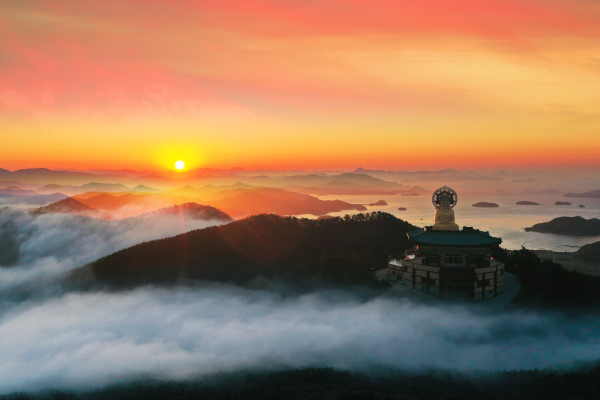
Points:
[(299, 83)]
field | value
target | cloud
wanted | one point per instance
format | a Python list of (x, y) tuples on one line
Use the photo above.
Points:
[(84, 340), (41, 249)]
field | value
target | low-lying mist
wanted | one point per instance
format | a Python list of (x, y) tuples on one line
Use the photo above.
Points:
[(61, 339), (36, 249), (83, 340)]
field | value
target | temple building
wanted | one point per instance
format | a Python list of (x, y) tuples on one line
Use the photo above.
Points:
[(447, 261)]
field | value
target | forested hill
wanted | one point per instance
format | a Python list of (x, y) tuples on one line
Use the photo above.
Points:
[(337, 250)]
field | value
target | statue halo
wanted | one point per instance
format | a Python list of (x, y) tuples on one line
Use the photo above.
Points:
[(444, 191)]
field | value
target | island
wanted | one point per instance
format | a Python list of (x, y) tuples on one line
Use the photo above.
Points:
[(528, 203), (562, 203), (581, 206), (568, 226), (485, 204), (378, 203), (401, 208)]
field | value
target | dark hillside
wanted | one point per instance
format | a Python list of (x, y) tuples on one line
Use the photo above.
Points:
[(546, 284), (328, 250), (327, 383), (589, 252)]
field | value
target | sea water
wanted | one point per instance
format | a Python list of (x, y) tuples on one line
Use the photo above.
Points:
[(507, 221)]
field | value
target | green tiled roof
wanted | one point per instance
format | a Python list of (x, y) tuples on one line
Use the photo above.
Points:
[(466, 237)]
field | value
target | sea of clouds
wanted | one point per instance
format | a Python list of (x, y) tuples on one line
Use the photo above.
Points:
[(67, 339), (39, 249)]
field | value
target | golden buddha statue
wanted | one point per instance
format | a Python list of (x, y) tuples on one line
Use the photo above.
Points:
[(444, 214)]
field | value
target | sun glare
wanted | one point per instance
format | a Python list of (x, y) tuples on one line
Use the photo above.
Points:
[(179, 164)]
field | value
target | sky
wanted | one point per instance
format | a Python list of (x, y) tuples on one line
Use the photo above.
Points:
[(299, 84)]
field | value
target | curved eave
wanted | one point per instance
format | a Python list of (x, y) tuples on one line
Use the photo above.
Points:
[(452, 238)]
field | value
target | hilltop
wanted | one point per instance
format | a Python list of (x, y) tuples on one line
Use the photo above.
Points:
[(328, 250), (65, 206), (191, 211)]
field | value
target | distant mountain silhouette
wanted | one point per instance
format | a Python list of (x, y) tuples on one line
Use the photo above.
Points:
[(345, 180), (244, 202), (53, 187), (445, 175), (344, 191), (155, 180), (34, 200), (103, 187), (568, 226), (45, 175), (192, 211), (145, 189), (526, 180), (106, 201), (130, 203), (237, 201), (20, 185), (367, 180), (550, 191), (326, 250), (419, 190), (16, 191), (339, 184), (65, 206), (593, 194)]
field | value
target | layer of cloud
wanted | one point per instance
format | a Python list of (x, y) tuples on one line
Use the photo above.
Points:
[(89, 340), (39, 249)]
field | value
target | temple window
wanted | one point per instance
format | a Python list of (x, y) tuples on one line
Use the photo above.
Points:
[(473, 260), (453, 259)]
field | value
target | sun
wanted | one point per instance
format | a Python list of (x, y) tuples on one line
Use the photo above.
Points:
[(179, 164)]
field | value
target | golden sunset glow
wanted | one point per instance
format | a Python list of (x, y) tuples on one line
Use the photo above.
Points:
[(179, 164), (286, 85)]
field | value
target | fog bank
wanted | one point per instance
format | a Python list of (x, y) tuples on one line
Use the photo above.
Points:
[(91, 339), (35, 250)]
